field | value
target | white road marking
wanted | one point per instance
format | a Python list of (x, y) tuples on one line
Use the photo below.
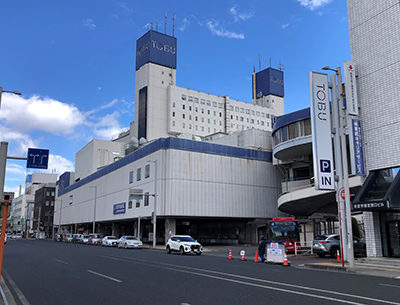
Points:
[(105, 276), (173, 268), (389, 285), (60, 261), (19, 293)]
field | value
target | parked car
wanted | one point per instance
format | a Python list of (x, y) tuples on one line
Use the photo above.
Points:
[(18, 236), (94, 239), (68, 238), (76, 238), (9, 235), (109, 241), (330, 244), (183, 244), (58, 237), (130, 242), (84, 239)]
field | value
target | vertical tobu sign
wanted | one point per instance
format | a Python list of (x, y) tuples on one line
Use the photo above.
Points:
[(321, 131), (351, 89), (356, 148)]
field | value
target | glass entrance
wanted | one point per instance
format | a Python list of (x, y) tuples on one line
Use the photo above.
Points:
[(393, 230)]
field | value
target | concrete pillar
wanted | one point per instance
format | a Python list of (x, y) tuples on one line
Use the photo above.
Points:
[(115, 229), (170, 226)]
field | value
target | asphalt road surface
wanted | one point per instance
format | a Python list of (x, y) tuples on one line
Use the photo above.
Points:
[(46, 272)]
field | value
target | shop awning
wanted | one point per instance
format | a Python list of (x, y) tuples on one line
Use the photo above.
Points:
[(380, 192)]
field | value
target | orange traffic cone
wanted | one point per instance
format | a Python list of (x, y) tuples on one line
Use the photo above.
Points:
[(256, 258), (285, 261), (242, 254), (230, 255), (338, 256)]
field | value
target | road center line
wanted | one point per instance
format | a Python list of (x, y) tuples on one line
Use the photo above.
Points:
[(173, 268), (389, 285), (105, 276), (60, 261)]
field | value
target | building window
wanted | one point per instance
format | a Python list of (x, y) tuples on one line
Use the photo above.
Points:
[(190, 117), (262, 114), (258, 122), (47, 193), (252, 112), (237, 109), (52, 203), (183, 107), (237, 118), (220, 123), (247, 111), (130, 204), (203, 101), (71, 199), (267, 115), (220, 114), (252, 121), (262, 123), (138, 174), (219, 105), (173, 113), (231, 117), (248, 120), (231, 108), (173, 123), (47, 203), (214, 104), (183, 125), (241, 119), (146, 199), (202, 120), (208, 129), (147, 171), (241, 110), (197, 109), (202, 110), (190, 108), (183, 116), (208, 121), (131, 177), (215, 122), (52, 193), (202, 128), (137, 203), (183, 97), (208, 112), (196, 118), (196, 99), (258, 113), (215, 113), (190, 126), (190, 98), (173, 104)]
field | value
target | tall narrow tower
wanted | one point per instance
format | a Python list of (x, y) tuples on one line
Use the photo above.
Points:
[(155, 71)]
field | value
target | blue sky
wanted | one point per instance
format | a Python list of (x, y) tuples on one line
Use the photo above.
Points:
[(74, 62)]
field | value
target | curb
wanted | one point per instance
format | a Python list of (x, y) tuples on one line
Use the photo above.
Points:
[(324, 267)]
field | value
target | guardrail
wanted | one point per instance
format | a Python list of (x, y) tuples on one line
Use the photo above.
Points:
[(305, 248)]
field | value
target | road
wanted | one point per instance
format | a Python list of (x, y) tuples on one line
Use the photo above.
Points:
[(46, 272)]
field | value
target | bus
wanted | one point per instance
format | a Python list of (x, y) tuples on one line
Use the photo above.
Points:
[(285, 229)]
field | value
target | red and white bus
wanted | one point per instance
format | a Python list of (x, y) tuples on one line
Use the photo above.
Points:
[(284, 229)]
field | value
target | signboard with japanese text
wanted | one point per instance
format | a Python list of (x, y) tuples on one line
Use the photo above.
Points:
[(119, 208), (356, 147), (351, 88), (37, 158), (321, 132)]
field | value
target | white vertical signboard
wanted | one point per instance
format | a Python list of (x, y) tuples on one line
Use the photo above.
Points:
[(351, 89), (321, 131)]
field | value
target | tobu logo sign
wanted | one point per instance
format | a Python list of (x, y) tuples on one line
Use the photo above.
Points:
[(155, 45), (276, 80)]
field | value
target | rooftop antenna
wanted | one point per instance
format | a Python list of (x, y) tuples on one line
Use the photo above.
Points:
[(270, 62), (259, 62), (151, 26), (173, 26), (165, 22), (157, 25), (280, 66)]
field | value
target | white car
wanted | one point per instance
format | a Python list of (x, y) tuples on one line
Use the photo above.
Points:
[(130, 242), (84, 239), (109, 241), (184, 244)]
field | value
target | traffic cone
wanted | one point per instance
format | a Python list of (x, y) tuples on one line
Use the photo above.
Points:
[(242, 254), (338, 256), (285, 261), (256, 258), (230, 255)]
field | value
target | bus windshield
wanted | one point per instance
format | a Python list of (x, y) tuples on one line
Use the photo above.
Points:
[(285, 230)]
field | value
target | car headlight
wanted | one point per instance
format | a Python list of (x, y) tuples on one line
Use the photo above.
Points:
[(140, 243)]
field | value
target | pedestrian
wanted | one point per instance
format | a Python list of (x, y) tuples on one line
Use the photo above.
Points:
[(261, 248)]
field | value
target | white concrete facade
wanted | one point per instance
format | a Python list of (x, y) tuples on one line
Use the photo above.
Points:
[(96, 154)]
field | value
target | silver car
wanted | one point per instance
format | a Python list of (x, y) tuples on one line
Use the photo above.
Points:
[(130, 242), (109, 241), (94, 239)]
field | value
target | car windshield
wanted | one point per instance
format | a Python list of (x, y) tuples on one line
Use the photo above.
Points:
[(132, 238), (85, 236), (187, 238), (320, 237), (96, 236), (111, 237)]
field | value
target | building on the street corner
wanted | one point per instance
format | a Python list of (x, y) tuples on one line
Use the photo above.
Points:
[(222, 190), (43, 211)]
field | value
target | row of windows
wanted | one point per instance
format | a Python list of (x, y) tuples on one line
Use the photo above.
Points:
[(190, 116), (139, 173), (49, 203), (292, 131), (201, 101), (237, 109), (146, 202), (48, 193)]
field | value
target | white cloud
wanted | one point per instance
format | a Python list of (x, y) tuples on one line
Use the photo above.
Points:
[(59, 165), (89, 23), (125, 7), (108, 126), (285, 25), (185, 23), (37, 113), (313, 4), (219, 31), (240, 16)]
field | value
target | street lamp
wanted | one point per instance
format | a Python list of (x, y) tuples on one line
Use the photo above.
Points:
[(14, 92), (155, 204), (94, 209), (340, 150)]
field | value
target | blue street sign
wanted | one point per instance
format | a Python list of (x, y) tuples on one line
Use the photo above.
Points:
[(37, 158)]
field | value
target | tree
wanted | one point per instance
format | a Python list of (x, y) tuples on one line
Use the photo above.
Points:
[(354, 226)]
